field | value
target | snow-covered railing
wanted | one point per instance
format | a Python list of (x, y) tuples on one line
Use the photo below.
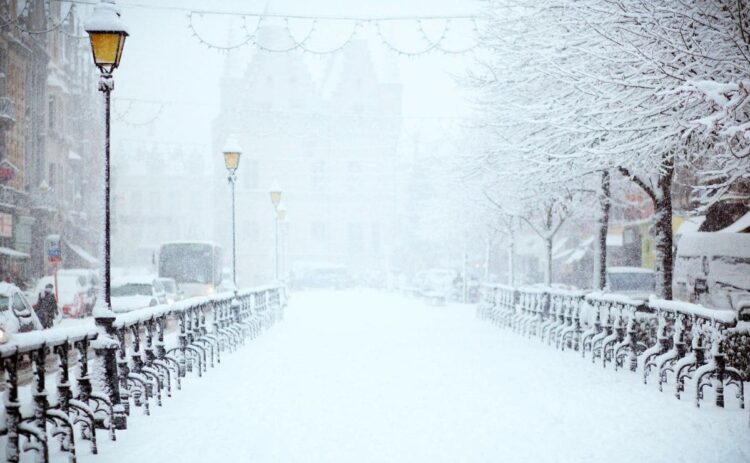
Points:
[(679, 341), (123, 363)]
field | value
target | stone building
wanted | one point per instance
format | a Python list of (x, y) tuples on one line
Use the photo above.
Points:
[(330, 144), (161, 192), (50, 138)]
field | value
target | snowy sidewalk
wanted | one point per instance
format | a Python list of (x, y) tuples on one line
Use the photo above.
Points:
[(361, 376)]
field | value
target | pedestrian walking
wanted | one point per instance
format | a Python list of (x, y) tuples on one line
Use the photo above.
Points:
[(46, 307)]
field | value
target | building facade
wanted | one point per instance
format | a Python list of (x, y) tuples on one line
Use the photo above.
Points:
[(50, 139), (161, 192), (331, 146)]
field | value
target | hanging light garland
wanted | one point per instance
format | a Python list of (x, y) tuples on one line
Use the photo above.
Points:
[(357, 25), (250, 35), (121, 116), (55, 24), (14, 21)]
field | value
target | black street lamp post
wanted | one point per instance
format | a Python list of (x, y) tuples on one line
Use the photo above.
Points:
[(232, 153), (275, 200), (107, 34)]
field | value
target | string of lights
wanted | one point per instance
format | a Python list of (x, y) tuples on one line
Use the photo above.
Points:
[(246, 40), (357, 25), (14, 21), (438, 44), (304, 44), (121, 116), (55, 24)]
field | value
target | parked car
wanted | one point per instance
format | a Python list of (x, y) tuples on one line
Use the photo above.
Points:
[(634, 282), (89, 279), (171, 290), (74, 293), (437, 285), (136, 292), (320, 275), (16, 313), (713, 269)]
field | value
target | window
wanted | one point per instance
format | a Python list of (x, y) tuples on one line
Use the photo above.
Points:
[(355, 176), (319, 176), (355, 237), (318, 230), (375, 237), (51, 113), (20, 307), (52, 176)]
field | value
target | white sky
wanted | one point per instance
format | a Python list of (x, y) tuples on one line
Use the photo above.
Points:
[(162, 61)]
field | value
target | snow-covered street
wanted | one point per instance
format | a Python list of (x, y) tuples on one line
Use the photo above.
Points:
[(361, 376)]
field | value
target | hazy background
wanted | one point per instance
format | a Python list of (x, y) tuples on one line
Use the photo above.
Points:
[(167, 97)]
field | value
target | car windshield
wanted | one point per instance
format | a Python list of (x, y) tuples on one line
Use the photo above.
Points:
[(631, 281), (132, 289)]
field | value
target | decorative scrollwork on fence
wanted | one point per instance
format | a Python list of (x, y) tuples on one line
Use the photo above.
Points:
[(123, 364), (679, 343)]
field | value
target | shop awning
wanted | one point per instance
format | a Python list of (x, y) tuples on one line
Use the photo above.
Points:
[(690, 225), (88, 258), (741, 225), (13, 254)]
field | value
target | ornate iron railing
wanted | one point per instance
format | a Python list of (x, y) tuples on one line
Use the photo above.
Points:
[(129, 362), (678, 342)]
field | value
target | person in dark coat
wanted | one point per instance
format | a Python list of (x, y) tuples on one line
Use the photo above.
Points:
[(46, 307)]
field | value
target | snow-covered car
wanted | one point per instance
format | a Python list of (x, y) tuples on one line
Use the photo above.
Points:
[(713, 269), (16, 313), (171, 290), (634, 282), (437, 285), (73, 298), (310, 275), (89, 280), (136, 292)]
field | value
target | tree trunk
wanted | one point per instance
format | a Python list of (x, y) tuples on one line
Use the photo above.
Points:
[(487, 257), (548, 262), (600, 260), (511, 258), (663, 231)]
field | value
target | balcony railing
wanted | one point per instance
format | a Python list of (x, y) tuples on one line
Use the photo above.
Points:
[(7, 111)]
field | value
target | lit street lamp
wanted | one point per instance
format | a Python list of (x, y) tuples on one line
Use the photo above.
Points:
[(232, 153), (107, 34), (275, 193)]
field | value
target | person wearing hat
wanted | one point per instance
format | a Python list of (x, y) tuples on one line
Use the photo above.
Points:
[(46, 307)]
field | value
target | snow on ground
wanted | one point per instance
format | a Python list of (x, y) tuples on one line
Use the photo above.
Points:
[(360, 376)]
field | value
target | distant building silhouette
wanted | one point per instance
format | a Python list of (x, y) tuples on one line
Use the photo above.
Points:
[(331, 144)]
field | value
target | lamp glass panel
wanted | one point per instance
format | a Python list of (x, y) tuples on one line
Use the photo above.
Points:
[(275, 197), (107, 48), (231, 160)]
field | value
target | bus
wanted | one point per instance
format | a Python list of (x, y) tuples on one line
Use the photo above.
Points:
[(195, 266)]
